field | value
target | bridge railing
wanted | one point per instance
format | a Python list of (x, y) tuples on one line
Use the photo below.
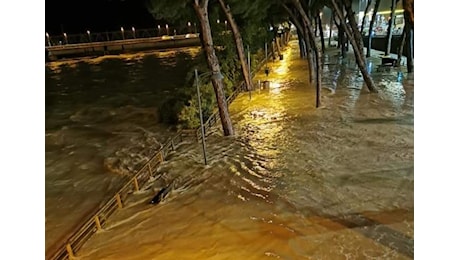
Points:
[(63, 39)]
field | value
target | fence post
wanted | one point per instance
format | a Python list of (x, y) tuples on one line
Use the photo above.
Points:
[(150, 169), (118, 198), (68, 247), (136, 184), (98, 222), (162, 157)]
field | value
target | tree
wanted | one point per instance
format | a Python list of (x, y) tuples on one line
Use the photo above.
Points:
[(368, 5), (201, 10), (175, 10), (409, 30), (308, 29), (355, 38), (371, 27), (321, 33), (238, 43), (390, 27)]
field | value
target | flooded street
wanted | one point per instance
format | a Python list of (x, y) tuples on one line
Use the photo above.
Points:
[(295, 182), (102, 123)]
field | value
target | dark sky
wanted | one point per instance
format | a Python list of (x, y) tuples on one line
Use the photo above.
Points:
[(95, 15)]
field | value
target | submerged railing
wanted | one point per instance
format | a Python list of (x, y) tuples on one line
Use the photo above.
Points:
[(99, 219)]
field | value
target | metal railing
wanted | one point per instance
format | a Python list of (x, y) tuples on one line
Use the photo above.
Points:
[(99, 219), (89, 37)]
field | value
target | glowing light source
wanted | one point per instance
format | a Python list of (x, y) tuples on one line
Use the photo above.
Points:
[(275, 87)]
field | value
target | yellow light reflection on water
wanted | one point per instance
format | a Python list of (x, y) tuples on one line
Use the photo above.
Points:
[(282, 68), (275, 88)]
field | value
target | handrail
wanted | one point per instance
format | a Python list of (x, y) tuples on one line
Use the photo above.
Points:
[(99, 219)]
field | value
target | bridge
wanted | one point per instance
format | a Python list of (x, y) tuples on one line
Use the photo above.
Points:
[(97, 44)]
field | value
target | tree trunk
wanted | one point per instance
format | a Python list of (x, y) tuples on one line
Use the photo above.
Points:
[(390, 28), (310, 57), (331, 23), (401, 47), (409, 42), (371, 27), (409, 20), (341, 37), (309, 31), (321, 33), (369, 2), (354, 26), (278, 47), (357, 47), (238, 44), (408, 6), (201, 10), (300, 32), (301, 46)]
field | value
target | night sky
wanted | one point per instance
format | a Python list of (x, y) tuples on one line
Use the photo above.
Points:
[(95, 15)]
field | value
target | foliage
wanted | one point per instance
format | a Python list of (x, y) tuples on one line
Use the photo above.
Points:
[(253, 17)]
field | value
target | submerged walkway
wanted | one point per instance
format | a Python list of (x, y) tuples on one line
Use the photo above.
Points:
[(295, 182)]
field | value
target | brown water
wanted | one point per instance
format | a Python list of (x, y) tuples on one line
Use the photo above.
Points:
[(102, 123), (294, 183)]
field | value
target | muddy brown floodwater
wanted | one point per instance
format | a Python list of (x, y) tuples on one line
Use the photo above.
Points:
[(295, 182)]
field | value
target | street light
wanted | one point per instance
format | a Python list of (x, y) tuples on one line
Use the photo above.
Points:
[(159, 30), (89, 35), (134, 32), (65, 38), (189, 29), (167, 29), (48, 38), (122, 33), (216, 75), (225, 24)]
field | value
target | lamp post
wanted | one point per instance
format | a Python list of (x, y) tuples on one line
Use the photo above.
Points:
[(189, 29), (159, 30), (122, 33), (134, 32), (225, 25), (167, 29), (89, 35), (48, 39), (217, 75), (195, 28), (65, 38)]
